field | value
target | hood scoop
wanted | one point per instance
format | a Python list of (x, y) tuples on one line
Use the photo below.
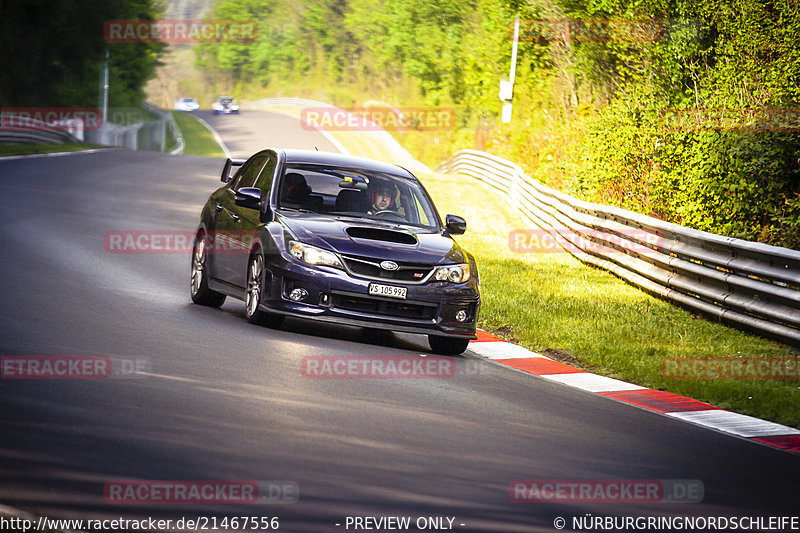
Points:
[(376, 234)]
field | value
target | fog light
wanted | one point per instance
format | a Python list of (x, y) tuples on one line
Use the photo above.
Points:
[(461, 316), (298, 295)]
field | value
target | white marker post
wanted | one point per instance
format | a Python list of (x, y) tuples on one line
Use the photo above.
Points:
[(507, 86)]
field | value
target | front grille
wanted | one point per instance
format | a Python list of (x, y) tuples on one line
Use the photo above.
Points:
[(374, 306), (406, 272)]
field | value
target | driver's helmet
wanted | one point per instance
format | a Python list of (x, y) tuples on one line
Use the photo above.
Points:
[(386, 187)]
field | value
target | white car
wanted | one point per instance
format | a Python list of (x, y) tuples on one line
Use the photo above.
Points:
[(225, 105), (187, 104)]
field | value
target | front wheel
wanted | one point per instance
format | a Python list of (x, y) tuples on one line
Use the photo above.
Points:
[(447, 345), (201, 294), (255, 285)]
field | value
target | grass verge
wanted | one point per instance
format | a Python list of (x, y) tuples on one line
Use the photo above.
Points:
[(197, 139), (27, 149), (556, 305)]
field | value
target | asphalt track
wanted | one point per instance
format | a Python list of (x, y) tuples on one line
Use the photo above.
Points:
[(220, 399), (251, 131)]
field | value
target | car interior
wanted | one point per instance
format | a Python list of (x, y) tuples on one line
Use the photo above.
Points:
[(336, 191)]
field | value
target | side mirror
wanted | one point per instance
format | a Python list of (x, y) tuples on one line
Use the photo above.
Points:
[(455, 225), (226, 168), (249, 197)]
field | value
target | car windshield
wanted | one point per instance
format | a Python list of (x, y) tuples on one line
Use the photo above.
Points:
[(226, 100), (359, 193)]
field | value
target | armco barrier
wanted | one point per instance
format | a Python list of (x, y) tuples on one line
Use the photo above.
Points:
[(746, 284), (37, 131), (159, 126), (128, 136)]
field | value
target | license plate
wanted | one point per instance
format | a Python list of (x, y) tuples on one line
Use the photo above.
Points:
[(387, 290)]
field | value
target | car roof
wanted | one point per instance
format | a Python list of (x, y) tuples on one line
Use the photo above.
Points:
[(343, 160)]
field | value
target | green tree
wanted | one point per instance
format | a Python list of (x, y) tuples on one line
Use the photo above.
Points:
[(52, 53)]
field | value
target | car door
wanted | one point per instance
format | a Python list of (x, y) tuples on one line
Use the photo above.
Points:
[(233, 224), (249, 220)]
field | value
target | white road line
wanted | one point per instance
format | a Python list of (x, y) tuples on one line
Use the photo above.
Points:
[(735, 423), (501, 350), (591, 382), (217, 137)]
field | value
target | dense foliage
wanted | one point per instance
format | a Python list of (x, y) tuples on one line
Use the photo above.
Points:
[(51, 53), (666, 107)]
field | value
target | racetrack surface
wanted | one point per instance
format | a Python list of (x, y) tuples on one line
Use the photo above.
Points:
[(253, 130), (225, 400)]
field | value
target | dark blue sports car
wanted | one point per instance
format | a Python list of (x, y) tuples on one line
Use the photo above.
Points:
[(335, 238)]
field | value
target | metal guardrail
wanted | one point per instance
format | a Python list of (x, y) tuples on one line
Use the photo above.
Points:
[(124, 136), (36, 131), (166, 121), (746, 284), (142, 135)]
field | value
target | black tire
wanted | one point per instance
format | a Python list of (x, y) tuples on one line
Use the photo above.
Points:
[(253, 292), (198, 282), (447, 345)]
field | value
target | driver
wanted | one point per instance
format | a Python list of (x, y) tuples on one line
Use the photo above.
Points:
[(383, 198)]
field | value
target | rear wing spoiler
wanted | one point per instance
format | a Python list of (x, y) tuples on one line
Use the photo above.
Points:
[(226, 169)]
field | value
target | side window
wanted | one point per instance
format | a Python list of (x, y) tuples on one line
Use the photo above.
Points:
[(246, 176), (264, 181)]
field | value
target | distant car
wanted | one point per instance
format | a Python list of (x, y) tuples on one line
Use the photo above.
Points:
[(187, 104), (225, 105), (335, 238)]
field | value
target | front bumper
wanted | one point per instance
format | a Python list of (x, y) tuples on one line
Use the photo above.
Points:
[(335, 296)]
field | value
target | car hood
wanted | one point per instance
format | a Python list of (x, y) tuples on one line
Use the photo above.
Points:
[(373, 239)]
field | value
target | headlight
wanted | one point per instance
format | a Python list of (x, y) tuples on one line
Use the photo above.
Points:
[(453, 274), (313, 255)]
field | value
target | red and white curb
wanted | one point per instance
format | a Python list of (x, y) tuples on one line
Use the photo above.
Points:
[(775, 435)]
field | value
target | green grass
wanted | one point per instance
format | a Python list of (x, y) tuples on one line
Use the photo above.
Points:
[(556, 305), (26, 149), (198, 140)]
